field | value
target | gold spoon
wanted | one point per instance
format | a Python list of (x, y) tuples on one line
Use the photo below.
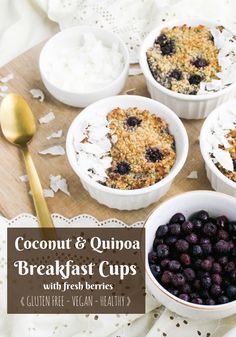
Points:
[(18, 127)]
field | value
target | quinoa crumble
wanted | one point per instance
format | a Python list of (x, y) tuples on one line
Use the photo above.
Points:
[(182, 57), (143, 152)]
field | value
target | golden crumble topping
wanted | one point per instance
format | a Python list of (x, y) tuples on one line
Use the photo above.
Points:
[(143, 150), (182, 57)]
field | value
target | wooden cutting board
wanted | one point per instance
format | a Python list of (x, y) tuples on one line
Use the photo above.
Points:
[(14, 197)]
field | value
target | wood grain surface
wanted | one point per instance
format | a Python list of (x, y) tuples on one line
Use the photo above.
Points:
[(14, 197)]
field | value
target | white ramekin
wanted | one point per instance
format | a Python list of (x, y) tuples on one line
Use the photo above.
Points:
[(217, 179), (72, 36), (185, 106), (130, 199), (187, 203)]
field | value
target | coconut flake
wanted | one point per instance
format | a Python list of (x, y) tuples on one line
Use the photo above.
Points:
[(58, 183), (24, 179), (2, 94), (47, 118), (3, 88), (224, 159), (193, 175), (56, 150), (37, 93), (6, 78), (57, 134), (135, 71), (48, 193)]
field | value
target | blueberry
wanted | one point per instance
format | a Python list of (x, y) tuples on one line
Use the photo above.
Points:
[(185, 259), (182, 245), (197, 264), (162, 251), (123, 168), (175, 229), (177, 218), (222, 299), (192, 238), (210, 301), (166, 277), (216, 268), (189, 274), (197, 251), (184, 297), (197, 224), (209, 229), (230, 266), (168, 47), (161, 231), (186, 288), (197, 300), (165, 263), (174, 265), (223, 260), (231, 292), (233, 275), (216, 279), (133, 121), (156, 242), (222, 247), (176, 74), (170, 240), (156, 270), (204, 240), (222, 235), (202, 216), (216, 290), (161, 39), (152, 257), (200, 62), (187, 227), (205, 294), (153, 155), (232, 227), (206, 282), (197, 284), (206, 248), (221, 221), (195, 79), (206, 264), (178, 280)]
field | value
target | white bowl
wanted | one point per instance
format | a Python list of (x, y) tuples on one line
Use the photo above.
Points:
[(70, 37), (217, 179), (185, 106), (187, 203), (130, 199)]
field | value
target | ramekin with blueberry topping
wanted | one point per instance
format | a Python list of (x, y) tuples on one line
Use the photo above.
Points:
[(190, 66), (127, 157)]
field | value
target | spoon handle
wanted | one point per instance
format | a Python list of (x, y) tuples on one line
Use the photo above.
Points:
[(40, 204)]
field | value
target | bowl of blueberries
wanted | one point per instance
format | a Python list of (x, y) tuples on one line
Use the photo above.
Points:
[(191, 254)]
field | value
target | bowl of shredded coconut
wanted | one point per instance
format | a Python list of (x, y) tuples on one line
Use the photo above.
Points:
[(82, 64), (218, 147), (190, 65)]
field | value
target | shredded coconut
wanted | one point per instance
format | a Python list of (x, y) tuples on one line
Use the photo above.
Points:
[(87, 66), (58, 183), (193, 175), (56, 134), (6, 78), (56, 150), (47, 118), (24, 179), (37, 93)]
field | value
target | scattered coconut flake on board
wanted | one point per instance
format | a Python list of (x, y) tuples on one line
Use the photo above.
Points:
[(3, 94), (129, 91), (47, 118), (3, 88), (58, 183), (6, 78), (56, 150), (37, 93), (57, 134), (135, 71), (24, 179), (48, 193), (193, 175)]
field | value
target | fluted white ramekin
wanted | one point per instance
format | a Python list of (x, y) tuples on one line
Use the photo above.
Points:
[(187, 203), (129, 199), (185, 106), (218, 180)]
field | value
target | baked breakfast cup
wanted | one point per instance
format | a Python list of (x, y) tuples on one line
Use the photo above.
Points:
[(191, 239), (218, 147), (190, 66), (127, 150)]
